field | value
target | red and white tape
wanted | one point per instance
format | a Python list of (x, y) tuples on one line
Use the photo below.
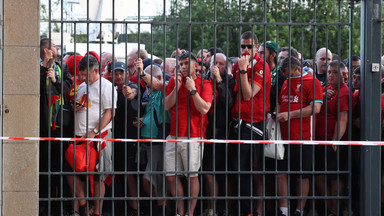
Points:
[(292, 142)]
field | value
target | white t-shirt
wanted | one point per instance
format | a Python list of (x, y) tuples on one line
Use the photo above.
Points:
[(93, 105)]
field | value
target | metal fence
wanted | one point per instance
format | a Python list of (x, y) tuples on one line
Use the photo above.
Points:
[(215, 110)]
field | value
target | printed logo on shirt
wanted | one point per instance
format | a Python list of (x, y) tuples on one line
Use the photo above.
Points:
[(298, 87)]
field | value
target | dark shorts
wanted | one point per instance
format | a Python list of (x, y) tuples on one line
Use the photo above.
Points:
[(215, 157), (326, 159), (299, 158), (125, 156), (251, 155)]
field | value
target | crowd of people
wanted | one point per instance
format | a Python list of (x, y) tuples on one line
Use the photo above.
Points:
[(186, 98)]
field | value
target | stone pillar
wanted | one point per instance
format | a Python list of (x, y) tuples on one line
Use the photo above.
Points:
[(21, 100)]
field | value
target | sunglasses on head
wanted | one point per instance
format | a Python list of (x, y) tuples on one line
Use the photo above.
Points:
[(243, 46)]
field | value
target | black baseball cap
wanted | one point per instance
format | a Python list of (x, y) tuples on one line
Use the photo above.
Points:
[(186, 55)]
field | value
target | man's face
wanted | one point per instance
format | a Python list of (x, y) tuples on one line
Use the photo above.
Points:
[(131, 59), (322, 60), (283, 55), (269, 57), (184, 67), (55, 50), (207, 58), (119, 77), (345, 75), (356, 63), (92, 77), (293, 72), (247, 46), (333, 75), (221, 64), (356, 81), (200, 70)]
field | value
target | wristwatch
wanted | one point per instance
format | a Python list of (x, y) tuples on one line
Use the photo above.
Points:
[(243, 71), (95, 131), (193, 92)]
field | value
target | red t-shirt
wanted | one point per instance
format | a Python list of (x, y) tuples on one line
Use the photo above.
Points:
[(356, 106), (258, 100), (331, 112), (182, 106), (295, 104)]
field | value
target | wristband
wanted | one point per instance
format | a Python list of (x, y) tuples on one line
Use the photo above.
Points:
[(243, 71), (95, 130), (219, 83), (193, 92)]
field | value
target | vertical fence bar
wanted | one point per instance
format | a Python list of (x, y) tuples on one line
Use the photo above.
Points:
[(370, 51)]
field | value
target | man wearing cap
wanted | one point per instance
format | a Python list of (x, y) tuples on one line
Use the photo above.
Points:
[(126, 113), (278, 78), (186, 85), (253, 84)]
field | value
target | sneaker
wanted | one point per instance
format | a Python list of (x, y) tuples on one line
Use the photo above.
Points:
[(280, 213), (296, 213), (209, 212)]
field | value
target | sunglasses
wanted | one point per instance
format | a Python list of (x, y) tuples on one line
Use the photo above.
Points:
[(243, 46)]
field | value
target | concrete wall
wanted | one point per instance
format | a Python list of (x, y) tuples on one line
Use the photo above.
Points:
[(21, 97)]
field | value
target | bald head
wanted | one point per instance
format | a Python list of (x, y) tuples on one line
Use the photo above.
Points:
[(221, 62), (323, 58), (170, 65)]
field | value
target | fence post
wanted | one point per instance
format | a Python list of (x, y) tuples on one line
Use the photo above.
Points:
[(370, 51)]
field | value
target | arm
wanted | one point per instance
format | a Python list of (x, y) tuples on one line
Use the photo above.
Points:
[(342, 125), (156, 83), (105, 120), (248, 88), (306, 112), (170, 100), (201, 105)]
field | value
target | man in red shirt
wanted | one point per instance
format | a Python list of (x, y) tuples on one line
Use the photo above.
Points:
[(297, 102), (253, 85), (182, 156), (327, 128)]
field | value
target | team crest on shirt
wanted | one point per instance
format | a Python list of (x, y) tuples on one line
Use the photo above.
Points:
[(298, 88)]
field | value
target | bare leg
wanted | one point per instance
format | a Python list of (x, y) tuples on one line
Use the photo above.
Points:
[(79, 190), (132, 190), (180, 192), (99, 190), (209, 189), (282, 189), (195, 187), (332, 203), (304, 192), (258, 179)]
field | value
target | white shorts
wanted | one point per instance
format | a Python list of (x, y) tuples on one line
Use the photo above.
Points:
[(177, 158)]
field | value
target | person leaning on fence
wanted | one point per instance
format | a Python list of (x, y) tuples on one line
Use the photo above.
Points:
[(215, 155), (53, 76), (299, 114), (253, 82), (93, 96), (269, 50), (132, 58), (150, 125), (125, 152), (186, 85), (323, 58), (331, 124)]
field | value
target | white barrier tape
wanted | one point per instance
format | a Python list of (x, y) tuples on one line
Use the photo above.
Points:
[(291, 142)]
